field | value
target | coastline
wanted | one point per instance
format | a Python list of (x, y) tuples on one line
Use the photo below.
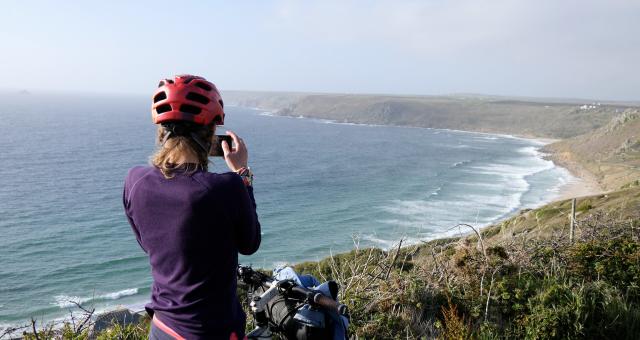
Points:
[(271, 113), (582, 183), (579, 186)]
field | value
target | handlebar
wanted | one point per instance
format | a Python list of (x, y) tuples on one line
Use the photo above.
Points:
[(250, 276), (314, 298)]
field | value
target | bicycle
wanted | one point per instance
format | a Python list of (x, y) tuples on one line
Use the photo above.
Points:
[(289, 309)]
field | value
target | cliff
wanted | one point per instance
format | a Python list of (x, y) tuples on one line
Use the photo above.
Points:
[(611, 153), (518, 116)]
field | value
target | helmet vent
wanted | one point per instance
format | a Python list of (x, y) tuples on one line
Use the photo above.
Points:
[(203, 86), (217, 120), (186, 108), (221, 103), (163, 108), (198, 98), (160, 96)]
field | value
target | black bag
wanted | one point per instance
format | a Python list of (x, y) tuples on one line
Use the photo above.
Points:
[(281, 313)]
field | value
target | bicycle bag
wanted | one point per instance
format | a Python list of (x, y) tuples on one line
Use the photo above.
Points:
[(296, 319), (299, 321)]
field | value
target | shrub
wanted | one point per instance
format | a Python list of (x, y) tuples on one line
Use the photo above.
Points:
[(554, 314), (584, 206), (616, 261)]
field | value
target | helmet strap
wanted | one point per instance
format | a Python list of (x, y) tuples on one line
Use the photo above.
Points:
[(167, 135), (205, 146), (173, 130)]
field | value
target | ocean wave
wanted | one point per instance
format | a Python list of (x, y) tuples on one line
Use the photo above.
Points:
[(511, 171), (486, 137), (436, 192), (388, 244), (481, 134), (460, 163), (563, 180), (66, 301), (530, 151), (483, 185), (447, 211), (329, 121), (485, 199), (407, 207), (407, 223), (385, 244)]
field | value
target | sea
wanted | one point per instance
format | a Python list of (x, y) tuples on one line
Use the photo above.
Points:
[(321, 187)]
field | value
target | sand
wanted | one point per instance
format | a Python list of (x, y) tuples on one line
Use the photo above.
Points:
[(580, 187), (583, 183)]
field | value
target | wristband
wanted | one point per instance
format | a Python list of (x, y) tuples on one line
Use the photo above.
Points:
[(247, 175)]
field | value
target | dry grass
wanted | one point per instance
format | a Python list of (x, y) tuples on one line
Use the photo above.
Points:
[(499, 284), (520, 278)]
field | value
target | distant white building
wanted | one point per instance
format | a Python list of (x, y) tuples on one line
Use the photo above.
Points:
[(589, 106)]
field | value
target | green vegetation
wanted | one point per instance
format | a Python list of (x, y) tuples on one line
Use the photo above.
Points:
[(519, 116), (129, 332), (521, 278), (512, 283), (72, 331), (610, 153)]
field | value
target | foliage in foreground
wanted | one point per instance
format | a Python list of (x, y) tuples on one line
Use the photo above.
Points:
[(497, 284), (469, 288), (72, 331)]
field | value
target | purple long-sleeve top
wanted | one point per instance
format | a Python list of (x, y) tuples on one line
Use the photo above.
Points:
[(193, 227)]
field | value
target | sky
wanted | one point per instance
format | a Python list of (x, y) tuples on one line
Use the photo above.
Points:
[(538, 48)]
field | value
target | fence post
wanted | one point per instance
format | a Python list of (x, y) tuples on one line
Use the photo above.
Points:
[(573, 219)]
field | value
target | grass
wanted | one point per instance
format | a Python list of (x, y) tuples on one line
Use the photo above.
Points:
[(521, 278), (470, 113)]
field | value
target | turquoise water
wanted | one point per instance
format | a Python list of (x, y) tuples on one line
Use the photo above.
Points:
[(318, 185)]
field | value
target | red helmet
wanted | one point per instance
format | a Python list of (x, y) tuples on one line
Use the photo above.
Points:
[(187, 98)]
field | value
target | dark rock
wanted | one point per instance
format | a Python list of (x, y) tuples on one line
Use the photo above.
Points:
[(121, 317)]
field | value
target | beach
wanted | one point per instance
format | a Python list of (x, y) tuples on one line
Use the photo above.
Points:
[(584, 185), (581, 183)]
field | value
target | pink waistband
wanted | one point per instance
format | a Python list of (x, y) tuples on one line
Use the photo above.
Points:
[(166, 328), (177, 336)]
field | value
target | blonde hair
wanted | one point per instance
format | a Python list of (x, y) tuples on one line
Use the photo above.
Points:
[(165, 156)]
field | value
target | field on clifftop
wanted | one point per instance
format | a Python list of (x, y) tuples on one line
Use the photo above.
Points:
[(530, 117)]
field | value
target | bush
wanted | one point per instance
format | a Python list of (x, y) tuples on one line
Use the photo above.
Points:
[(554, 314), (533, 288), (616, 261), (594, 310)]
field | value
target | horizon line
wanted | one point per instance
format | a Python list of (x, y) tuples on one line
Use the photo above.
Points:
[(553, 99)]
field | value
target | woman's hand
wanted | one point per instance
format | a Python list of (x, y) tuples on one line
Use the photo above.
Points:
[(237, 157)]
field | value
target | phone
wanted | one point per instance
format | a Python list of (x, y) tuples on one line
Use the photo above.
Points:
[(216, 148)]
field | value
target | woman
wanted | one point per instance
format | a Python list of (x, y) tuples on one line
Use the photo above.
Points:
[(190, 222)]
